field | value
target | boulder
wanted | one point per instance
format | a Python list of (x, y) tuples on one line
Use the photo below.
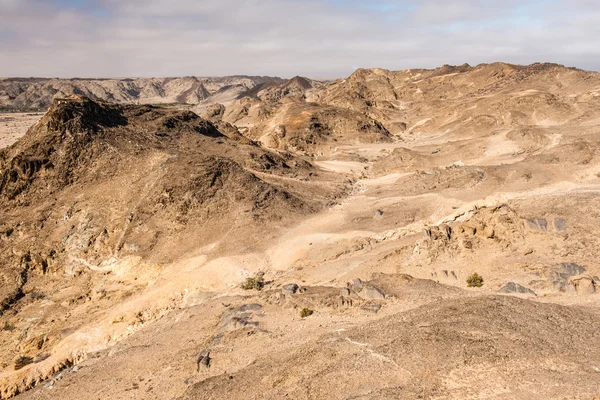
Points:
[(371, 292), (344, 302), (203, 359), (289, 289), (537, 224), (357, 285), (560, 224), (371, 307), (560, 274), (583, 285), (512, 287)]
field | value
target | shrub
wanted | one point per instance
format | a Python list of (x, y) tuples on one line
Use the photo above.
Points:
[(475, 280), (256, 283), (306, 312)]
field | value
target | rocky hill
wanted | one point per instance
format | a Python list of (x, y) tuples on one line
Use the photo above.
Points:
[(498, 95), (395, 234), (94, 188)]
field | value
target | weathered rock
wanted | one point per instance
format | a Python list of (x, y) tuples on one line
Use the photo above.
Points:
[(371, 292), (537, 224), (214, 112), (465, 229), (371, 307), (344, 302), (357, 285), (560, 224), (239, 318), (488, 232), (427, 234), (235, 323), (289, 289), (446, 231), (345, 292), (249, 307), (583, 285), (203, 359), (280, 298), (560, 274), (280, 131), (21, 361), (512, 287)]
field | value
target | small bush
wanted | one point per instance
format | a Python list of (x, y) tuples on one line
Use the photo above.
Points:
[(475, 280), (306, 312), (38, 296), (256, 283)]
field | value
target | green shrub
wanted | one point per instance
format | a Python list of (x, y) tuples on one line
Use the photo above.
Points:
[(475, 280), (306, 312), (256, 283)]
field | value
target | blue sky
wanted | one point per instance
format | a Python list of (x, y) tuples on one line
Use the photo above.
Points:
[(316, 38)]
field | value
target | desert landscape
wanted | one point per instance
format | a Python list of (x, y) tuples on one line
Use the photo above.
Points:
[(411, 234)]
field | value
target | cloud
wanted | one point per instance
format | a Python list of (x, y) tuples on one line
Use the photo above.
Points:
[(317, 38)]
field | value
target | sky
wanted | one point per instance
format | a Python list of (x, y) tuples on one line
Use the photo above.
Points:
[(315, 38)]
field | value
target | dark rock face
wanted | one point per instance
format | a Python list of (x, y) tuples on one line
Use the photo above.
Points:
[(77, 133), (370, 292), (203, 360), (512, 287), (289, 289), (560, 274)]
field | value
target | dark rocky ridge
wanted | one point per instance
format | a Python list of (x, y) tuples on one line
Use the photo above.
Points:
[(95, 182)]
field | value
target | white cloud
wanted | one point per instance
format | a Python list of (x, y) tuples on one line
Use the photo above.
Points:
[(318, 38)]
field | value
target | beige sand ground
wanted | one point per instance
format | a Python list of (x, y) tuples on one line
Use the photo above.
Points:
[(14, 125)]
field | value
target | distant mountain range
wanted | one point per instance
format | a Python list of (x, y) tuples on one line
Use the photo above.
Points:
[(26, 94)]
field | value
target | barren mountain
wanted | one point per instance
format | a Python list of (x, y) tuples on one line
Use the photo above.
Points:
[(38, 93), (392, 235)]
